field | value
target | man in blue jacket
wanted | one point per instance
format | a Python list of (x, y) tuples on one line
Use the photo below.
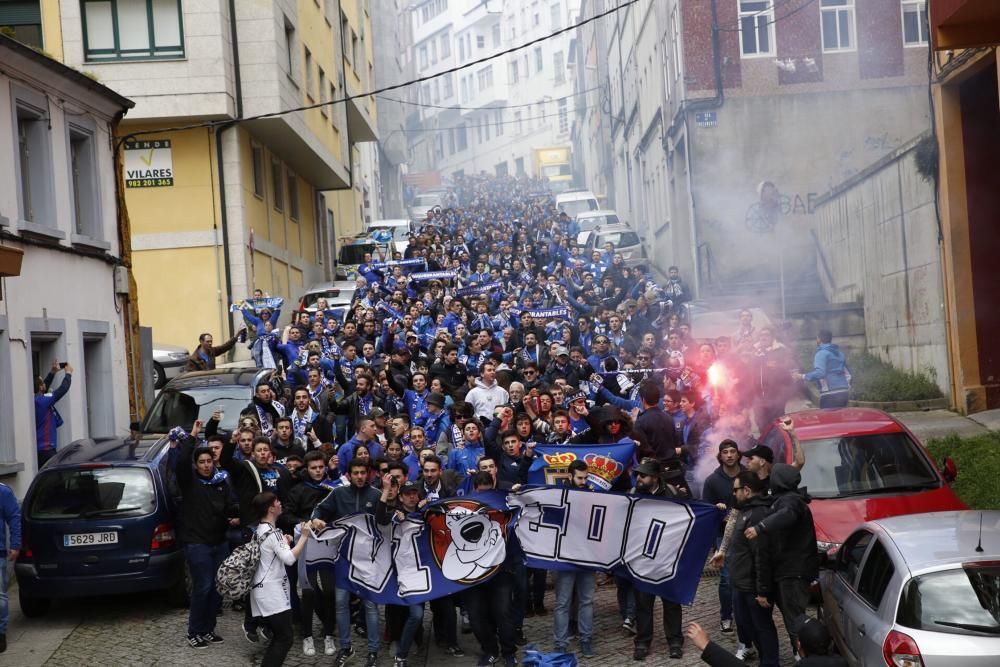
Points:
[(831, 372), (10, 517), (47, 419)]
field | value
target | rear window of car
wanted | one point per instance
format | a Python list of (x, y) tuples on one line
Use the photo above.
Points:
[(93, 493), (355, 253), (961, 601), (181, 407), (335, 298), (865, 464), (620, 239)]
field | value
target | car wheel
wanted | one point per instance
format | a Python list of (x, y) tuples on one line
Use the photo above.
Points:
[(159, 376), (32, 607), (179, 593)]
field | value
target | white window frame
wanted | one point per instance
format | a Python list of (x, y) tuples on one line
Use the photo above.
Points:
[(923, 28), (38, 213), (837, 9), (85, 192), (760, 16), (675, 38), (445, 46)]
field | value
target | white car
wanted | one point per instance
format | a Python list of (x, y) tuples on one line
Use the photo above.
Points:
[(593, 220), (423, 203), (625, 241), (168, 362), (338, 294), (575, 202), (400, 230)]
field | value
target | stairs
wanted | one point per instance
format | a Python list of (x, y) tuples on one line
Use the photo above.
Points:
[(803, 293)]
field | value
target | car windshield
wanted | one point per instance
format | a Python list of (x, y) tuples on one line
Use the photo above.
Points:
[(355, 254), (180, 407), (399, 232), (592, 223), (93, 493), (335, 298), (865, 464), (575, 207), (620, 239), (963, 601)]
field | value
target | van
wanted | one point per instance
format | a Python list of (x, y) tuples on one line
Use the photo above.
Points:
[(575, 202)]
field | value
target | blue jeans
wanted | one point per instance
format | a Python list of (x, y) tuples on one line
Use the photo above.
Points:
[(343, 601), (4, 604), (583, 583), (203, 561), (410, 629)]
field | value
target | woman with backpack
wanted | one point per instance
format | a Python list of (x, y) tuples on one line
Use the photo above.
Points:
[(269, 593)]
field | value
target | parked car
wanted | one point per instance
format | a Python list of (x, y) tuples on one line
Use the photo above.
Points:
[(99, 518), (862, 465), (338, 294), (595, 220), (575, 202), (352, 254), (624, 239), (423, 203), (168, 362), (399, 229), (917, 590)]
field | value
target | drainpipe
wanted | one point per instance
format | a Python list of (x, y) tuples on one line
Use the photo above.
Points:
[(223, 214)]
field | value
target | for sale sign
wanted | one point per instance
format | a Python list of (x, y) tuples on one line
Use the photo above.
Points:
[(148, 164)]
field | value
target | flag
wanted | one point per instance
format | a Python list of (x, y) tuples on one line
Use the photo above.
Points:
[(481, 288), (605, 464), (543, 313), (433, 275), (658, 543)]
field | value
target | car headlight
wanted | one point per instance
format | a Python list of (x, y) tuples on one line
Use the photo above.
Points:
[(826, 546), (177, 356)]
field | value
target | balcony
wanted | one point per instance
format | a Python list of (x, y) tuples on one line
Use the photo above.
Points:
[(965, 24)]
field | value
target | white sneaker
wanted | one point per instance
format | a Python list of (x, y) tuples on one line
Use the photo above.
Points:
[(329, 648), (744, 652), (307, 647)]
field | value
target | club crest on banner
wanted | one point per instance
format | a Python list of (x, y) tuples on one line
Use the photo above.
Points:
[(467, 539)]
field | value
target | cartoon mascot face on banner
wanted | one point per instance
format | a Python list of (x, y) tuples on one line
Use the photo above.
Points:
[(468, 540)]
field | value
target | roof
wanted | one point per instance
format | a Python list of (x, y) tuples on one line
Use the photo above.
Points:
[(107, 450), (938, 538), (244, 375), (817, 424), (597, 213), (63, 71)]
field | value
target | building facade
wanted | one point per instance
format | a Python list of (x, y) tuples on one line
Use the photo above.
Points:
[(225, 207), (69, 303), (491, 117), (393, 37)]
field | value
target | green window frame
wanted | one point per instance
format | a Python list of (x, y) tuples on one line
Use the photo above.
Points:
[(121, 43)]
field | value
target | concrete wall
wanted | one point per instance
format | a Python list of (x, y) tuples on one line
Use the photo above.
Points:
[(878, 235)]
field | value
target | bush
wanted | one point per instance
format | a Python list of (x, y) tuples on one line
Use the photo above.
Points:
[(978, 462), (874, 380)]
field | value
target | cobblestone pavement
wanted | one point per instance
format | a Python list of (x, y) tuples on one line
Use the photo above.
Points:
[(138, 630)]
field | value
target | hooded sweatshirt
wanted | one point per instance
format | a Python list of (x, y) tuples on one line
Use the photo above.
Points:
[(486, 398), (831, 372), (789, 526)]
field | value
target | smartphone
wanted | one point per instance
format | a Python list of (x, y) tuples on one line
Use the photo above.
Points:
[(62, 364)]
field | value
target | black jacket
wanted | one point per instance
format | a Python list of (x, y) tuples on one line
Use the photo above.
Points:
[(749, 561), (660, 433), (790, 527), (452, 377), (206, 506), (273, 478), (302, 500), (346, 500)]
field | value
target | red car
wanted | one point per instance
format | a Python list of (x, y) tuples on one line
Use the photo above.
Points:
[(861, 465)]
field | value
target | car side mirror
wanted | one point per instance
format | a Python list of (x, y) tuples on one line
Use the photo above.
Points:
[(949, 470), (828, 559), (134, 426)]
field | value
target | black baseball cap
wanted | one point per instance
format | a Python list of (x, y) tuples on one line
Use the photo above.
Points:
[(762, 451)]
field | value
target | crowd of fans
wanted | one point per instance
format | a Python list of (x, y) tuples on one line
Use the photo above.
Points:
[(441, 378)]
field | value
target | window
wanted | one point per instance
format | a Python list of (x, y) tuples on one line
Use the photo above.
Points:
[(293, 197), (539, 59), (289, 45), (116, 29), (915, 22), (536, 19), (563, 117), (953, 601), (464, 85), (355, 57), (83, 170), (438, 148), (434, 51), (518, 123), (838, 24), (496, 35), (461, 138), (345, 28), (675, 35), (333, 96), (519, 166), (279, 190), (22, 21), (451, 142), (80, 493), (756, 28), (449, 87), (480, 42), (498, 116), (876, 575), (485, 77), (555, 12), (34, 164), (257, 164), (486, 127), (513, 71), (479, 134), (461, 50), (445, 46), (424, 60), (322, 90), (527, 67), (849, 558), (559, 65), (307, 65), (425, 93), (436, 91)]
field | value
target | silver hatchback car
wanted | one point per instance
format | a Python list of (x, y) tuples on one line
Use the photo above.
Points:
[(917, 590)]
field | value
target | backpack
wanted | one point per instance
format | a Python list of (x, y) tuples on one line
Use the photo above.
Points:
[(234, 578)]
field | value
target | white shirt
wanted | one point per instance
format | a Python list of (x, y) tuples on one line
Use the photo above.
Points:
[(269, 592)]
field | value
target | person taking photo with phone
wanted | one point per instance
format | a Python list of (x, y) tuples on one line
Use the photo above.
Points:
[(47, 418)]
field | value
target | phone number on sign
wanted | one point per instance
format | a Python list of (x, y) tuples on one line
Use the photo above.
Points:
[(148, 182)]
